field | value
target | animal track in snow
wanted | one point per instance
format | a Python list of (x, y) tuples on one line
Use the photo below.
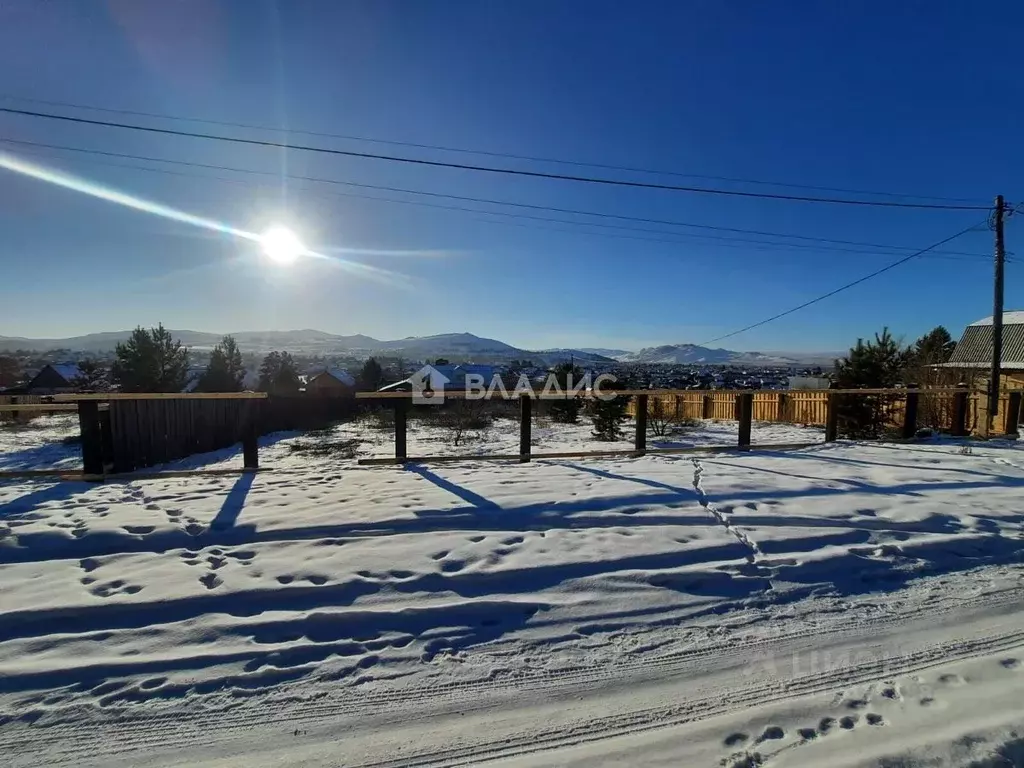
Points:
[(116, 587)]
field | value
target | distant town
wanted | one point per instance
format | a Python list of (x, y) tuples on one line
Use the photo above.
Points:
[(36, 367)]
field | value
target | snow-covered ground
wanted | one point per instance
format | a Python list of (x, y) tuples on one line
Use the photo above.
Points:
[(842, 605), (44, 442)]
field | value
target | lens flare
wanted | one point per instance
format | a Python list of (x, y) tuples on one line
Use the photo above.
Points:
[(279, 243)]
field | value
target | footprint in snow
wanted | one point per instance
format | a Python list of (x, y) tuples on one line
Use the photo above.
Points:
[(771, 733), (210, 580)]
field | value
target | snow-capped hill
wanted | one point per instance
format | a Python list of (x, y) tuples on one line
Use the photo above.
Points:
[(448, 344), (614, 354), (692, 354)]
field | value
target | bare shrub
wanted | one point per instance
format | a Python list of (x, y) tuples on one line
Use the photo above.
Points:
[(659, 416), (460, 418)]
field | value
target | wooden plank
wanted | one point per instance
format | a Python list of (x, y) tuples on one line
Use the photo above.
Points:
[(525, 425), (401, 428), (38, 407), (111, 396), (1013, 406), (640, 438), (832, 419), (745, 403), (92, 437), (585, 454), (909, 428)]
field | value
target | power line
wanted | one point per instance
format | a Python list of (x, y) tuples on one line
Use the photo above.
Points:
[(791, 246), (867, 277), (490, 169), (461, 150), (720, 242)]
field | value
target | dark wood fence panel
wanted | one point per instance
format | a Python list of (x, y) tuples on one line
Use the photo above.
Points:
[(145, 433)]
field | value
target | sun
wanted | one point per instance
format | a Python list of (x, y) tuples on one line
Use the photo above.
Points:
[(282, 245)]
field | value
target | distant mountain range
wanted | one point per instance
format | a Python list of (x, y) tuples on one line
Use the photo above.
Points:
[(458, 346)]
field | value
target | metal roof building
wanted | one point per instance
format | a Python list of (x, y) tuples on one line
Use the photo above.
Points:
[(974, 350)]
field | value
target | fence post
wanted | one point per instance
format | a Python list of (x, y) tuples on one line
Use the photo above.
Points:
[(745, 407), (92, 437), (910, 412), (679, 412), (106, 438), (832, 418), (1013, 414), (250, 446), (706, 406), (959, 426), (640, 439), (401, 413), (780, 409), (525, 424)]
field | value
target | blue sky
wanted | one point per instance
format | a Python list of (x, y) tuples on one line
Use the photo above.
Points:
[(911, 98)]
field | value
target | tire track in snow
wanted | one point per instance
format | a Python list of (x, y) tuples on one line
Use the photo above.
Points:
[(652, 718), (723, 520), (151, 730)]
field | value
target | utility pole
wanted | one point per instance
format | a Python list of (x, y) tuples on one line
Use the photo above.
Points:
[(997, 311)]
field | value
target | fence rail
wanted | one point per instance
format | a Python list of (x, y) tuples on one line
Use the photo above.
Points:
[(903, 410), (129, 432)]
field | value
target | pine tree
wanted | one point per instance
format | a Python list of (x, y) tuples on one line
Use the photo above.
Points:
[(609, 413), (10, 371), (151, 361), (876, 365), (566, 411), (278, 374), (91, 377), (934, 348), (225, 371), (371, 378)]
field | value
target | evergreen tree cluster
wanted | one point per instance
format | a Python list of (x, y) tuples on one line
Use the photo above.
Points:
[(884, 363), (151, 361), (279, 375), (566, 411)]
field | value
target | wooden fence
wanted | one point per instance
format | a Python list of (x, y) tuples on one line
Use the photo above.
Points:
[(936, 408), (904, 410), (126, 432)]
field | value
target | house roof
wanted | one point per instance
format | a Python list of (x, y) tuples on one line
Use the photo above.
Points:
[(1009, 318), (340, 374), (974, 350), (67, 371)]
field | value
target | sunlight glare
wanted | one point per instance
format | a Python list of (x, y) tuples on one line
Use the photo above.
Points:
[(282, 245)]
